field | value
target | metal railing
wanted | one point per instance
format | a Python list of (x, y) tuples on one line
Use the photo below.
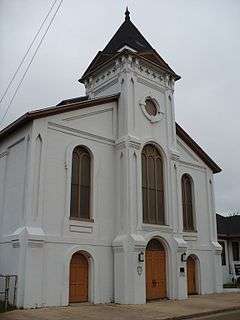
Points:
[(9, 282)]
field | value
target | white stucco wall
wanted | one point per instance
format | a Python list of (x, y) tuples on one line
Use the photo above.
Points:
[(115, 133)]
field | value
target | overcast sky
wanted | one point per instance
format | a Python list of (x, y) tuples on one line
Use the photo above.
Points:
[(200, 39)]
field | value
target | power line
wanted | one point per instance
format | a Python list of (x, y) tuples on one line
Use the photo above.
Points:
[(35, 52), (24, 57)]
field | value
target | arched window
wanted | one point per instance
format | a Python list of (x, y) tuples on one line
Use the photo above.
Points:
[(187, 203), (80, 184), (152, 186)]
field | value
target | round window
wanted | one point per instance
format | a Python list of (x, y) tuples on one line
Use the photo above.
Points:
[(150, 107)]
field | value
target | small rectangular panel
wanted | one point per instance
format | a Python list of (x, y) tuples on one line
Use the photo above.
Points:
[(81, 229)]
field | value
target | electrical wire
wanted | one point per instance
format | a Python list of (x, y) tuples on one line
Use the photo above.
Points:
[(35, 52), (29, 48)]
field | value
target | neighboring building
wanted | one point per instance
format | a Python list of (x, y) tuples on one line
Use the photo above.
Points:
[(228, 229), (104, 197)]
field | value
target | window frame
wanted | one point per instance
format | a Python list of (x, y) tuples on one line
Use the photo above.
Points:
[(238, 254), (78, 217), (186, 227), (158, 220)]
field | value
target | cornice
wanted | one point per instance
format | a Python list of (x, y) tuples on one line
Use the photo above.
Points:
[(128, 142)]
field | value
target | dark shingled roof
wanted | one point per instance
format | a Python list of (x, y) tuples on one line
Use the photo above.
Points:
[(228, 226), (128, 35)]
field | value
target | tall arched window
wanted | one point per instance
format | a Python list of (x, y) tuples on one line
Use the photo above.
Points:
[(80, 183), (152, 186), (187, 203)]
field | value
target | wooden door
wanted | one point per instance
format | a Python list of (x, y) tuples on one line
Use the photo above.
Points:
[(78, 282), (156, 273), (191, 276)]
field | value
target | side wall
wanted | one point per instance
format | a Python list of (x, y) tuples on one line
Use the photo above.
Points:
[(53, 236), (14, 170)]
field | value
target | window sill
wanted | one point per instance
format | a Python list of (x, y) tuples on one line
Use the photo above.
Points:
[(161, 227), (190, 235), (81, 225), (81, 219)]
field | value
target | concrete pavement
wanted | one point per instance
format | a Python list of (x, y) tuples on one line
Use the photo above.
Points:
[(164, 309)]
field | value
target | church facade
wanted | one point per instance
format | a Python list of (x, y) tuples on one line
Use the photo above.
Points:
[(105, 198)]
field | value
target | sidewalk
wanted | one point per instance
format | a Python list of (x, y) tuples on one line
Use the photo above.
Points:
[(183, 309)]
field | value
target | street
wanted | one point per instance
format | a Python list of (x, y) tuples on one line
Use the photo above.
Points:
[(233, 315)]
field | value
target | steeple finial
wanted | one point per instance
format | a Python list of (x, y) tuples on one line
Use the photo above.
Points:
[(127, 14)]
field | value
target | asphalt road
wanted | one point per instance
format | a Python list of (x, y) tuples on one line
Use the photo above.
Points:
[(233, 315)]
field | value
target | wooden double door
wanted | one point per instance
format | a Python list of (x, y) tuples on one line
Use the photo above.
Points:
[(191, 275), (78, 282), (156, 287)]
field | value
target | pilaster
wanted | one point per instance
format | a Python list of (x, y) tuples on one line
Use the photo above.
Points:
[(128, 181), (129, 269)]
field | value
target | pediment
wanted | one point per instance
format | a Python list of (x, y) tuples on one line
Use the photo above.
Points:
[(186, 154), (99, 122)]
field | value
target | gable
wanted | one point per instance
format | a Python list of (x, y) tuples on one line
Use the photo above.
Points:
[(98, 120), (186, 154), (197, 149)]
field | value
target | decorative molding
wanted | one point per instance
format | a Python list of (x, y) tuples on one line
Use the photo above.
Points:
[(88, 114), (139, 247), (35, 243), (128, 63), (16, 142), (182, 245), (174, 155), (217, 247), (4, 154), (128, 48), (160, 113), (150, 85), (80, 133), (190, 236), (120, 145), (139, 270), (190, 164), (15, 243), (189, 152), (118, 249), (152, 74), (80, 228), (106, 86), (128, 141), (154, 227)]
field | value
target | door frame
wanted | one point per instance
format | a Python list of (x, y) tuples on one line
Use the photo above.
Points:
[(168, 261), (84, 258), (91, 275), (197, 273)]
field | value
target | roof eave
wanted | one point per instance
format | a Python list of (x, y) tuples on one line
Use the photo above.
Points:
[(123, 52), (50, 111)]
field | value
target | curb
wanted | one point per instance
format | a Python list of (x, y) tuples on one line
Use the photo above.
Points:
[(202, 314)]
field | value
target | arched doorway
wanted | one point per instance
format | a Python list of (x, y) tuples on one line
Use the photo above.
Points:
[(78, 279), (191, 275), (156, 286)]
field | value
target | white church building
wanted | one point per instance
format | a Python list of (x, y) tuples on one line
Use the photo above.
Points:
[(105, 198)]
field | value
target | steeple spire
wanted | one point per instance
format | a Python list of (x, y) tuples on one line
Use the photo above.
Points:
[(127, 15), (128, 36)]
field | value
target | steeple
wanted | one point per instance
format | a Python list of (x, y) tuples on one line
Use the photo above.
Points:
[(127, 14), (130, 38)]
